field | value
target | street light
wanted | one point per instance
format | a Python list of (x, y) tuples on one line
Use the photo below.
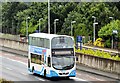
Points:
[(94, 30), (55, 25), (49, 16), (94, 18), (72, 27), (39, 23), (112, 33), (111, 18), (27, 26)]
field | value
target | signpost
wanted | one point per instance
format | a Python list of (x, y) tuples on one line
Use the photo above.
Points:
[(79, 40)]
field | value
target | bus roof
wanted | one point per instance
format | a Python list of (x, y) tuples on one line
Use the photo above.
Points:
[(46, 35)]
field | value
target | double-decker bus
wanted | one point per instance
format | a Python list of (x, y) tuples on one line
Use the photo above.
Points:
[(51, 55)]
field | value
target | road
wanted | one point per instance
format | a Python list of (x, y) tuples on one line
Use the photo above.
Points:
[(14, 67)]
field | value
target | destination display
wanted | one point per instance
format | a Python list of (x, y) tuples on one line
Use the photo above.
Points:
[(62, 52)]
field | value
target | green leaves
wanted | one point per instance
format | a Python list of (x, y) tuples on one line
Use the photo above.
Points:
[(14, 15), (9, 11), (107, 30), (98, 53)]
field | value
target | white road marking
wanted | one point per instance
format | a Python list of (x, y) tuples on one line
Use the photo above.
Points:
[(9, 54), (79, 74), (77, 79), (12, 59), (95, 78), (8, 68), (23, 73), (39, 79), (15, 60), (21, 62)]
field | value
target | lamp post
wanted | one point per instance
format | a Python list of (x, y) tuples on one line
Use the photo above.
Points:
[(55, 25), (27, 26), (94, 31), (112, 33), (39, 23), (72, 27), (94, 28), (49, 16), (115, 33), (94, 18)]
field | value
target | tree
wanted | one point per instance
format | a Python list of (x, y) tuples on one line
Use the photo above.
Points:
[(106, 31), (9, 11), (83, 13), (35, 12), (60, 11)]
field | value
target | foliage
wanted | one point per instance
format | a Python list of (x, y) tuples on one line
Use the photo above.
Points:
[(35, 12), (98, 53), (9, 11), (106, 32), (83, 13), (14, 16), (107, 43), (5, 81), (108, 29), (89, 43), (99, 42), (31, 27)]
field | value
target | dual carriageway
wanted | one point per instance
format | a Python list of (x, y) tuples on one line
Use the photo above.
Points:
[(13, 67)]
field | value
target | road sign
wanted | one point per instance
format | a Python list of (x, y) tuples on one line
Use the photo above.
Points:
[(79, 38)]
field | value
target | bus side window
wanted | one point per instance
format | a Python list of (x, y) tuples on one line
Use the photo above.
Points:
[(49, 62)]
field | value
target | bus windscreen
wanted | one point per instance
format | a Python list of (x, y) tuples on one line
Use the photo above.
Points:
[(62, 42)]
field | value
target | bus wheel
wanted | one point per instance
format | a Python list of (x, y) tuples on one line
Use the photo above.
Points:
[(28, 63), (32, 68), (67, 78), (45, 73)]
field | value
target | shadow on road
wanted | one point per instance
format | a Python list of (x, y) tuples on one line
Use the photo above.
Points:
[(54, 79)]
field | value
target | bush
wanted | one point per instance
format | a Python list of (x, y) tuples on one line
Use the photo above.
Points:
[(99, 54), (99, 42), (89, 43), (108, 43), (5, 81)]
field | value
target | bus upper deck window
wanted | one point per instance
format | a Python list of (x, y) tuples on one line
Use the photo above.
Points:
[(61, 39)]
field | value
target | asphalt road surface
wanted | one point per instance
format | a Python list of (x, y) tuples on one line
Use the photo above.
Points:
[(14, 67)]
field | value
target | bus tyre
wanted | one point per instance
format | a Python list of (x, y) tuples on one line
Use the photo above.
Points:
[(32, 68), (67, 78), (45, 73), (28, 63)]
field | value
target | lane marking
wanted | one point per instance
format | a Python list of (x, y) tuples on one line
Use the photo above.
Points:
[(79, 74), (9, 55), (24, 73), (8, 68), (77, 79), (39, 79), (15, 60), (21, 62), (95, 78)]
